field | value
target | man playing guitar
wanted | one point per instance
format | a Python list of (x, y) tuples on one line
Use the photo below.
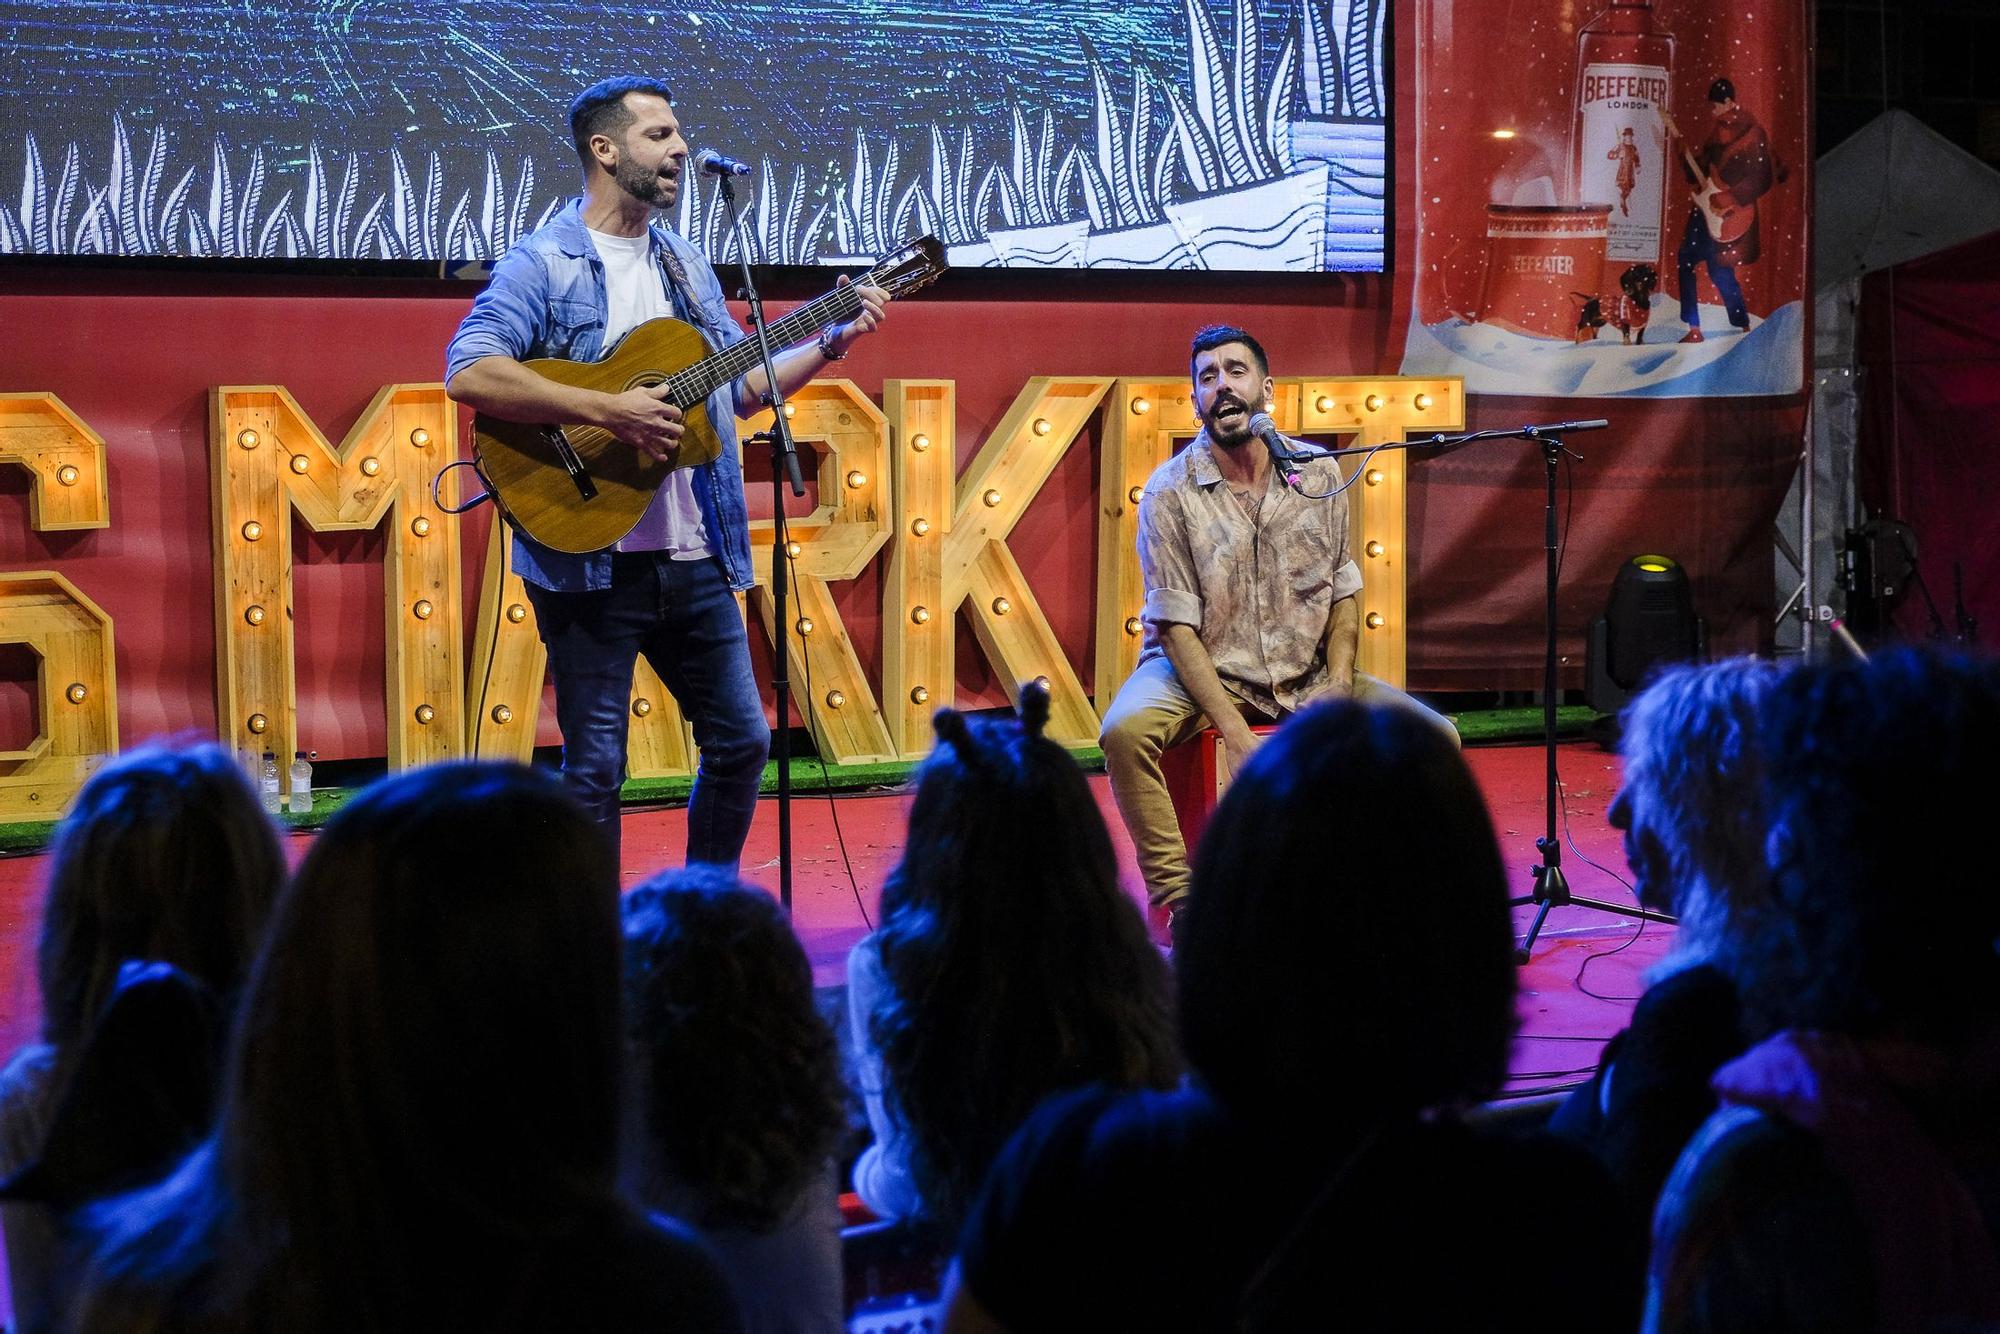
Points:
[(601, 267), (1729, 172)]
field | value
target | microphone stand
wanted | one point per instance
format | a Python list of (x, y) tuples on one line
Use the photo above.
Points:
[(1551, 886), (784, 469)]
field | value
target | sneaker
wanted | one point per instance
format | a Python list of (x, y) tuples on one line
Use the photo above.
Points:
[(1692, 336)]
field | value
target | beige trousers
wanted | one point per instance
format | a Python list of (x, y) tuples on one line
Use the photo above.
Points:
[(1151, 713)]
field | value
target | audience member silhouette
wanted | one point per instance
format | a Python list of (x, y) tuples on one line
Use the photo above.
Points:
[(1851, 1178), (1693, 815), (164, 858), (1346, 986), (740, 1104), (1008, 965), (420, 1117)]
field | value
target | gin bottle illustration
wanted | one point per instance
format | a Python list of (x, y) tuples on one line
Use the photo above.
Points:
[(1618, 144)]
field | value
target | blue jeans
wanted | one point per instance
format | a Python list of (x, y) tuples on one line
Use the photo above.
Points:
[(1698, 247), (683, 617)]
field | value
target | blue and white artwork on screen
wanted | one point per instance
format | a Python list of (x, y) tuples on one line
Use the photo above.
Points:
[(1062, 134)]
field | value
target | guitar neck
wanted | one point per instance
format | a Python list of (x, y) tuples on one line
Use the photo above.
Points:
[(703, 378)]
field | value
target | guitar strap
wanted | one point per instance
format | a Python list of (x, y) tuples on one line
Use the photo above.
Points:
[(679, 293)]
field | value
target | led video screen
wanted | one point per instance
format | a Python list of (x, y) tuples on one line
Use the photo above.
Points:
[(1156, 134)]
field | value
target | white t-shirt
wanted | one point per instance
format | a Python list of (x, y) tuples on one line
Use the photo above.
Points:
[(636, 291)]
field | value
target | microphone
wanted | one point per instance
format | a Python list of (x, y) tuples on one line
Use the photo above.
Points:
[(1596, 424), (711, 163), (1266, 430)]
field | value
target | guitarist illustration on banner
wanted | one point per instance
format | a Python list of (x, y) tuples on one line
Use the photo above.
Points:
[(1728, 173), (663, 580)]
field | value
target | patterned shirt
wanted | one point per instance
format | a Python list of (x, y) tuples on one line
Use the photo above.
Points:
[(1260, 592)]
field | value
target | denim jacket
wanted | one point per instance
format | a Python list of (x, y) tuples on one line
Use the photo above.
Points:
[(547, 299)]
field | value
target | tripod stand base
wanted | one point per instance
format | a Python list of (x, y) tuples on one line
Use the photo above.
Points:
[(1552, 890)]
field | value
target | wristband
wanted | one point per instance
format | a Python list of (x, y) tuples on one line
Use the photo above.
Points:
[(826, 345)]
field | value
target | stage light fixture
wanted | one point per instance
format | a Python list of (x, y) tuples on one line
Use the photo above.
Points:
[(1649, 621)]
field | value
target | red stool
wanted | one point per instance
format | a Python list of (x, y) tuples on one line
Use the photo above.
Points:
[(1196, 779)]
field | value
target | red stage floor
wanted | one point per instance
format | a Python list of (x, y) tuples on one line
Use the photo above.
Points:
[(1573, 994)]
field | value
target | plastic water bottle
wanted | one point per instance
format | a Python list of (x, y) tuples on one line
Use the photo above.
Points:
[(302, 784), (267, 784)]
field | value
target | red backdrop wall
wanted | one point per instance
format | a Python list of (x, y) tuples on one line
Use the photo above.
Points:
[(1930, 446), (135, 354)]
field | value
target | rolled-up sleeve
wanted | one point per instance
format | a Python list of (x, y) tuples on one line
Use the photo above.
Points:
[(1346, 581), (1173, 593), (1346, 574), (505, 316)]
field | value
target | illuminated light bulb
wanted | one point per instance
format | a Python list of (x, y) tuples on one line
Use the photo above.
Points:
[(422, 609), (857, 479), (1001, 606), (253, 531), (1373, 477), (1422, 402), (1136, 494), (641, 707), (420, 526), (1373, 402), (1133, 625), (793, 549), (1141, 407), (791, 411), (920, 615), (805, 625), (517, 613), (257, 722), (370, 466), (1043, 426), (991, 498), (248, 439), (420, 438), (920, 526), (425, 714), (77, 692), (1374, 620), (834, 699), (300, 463), (1503, 134), (1323, 404), (254, 614), (920, 442), (1043, 682), (1374, 548), (920, 696), (67, 474), (502, 714)]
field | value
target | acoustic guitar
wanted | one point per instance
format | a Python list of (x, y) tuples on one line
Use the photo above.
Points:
[(579, 488), (1726, 224)]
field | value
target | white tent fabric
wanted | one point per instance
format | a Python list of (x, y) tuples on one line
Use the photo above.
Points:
[(1893, 191), (1896, 190)]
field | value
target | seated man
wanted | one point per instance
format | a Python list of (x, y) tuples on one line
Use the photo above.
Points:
[(1250, 603)]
